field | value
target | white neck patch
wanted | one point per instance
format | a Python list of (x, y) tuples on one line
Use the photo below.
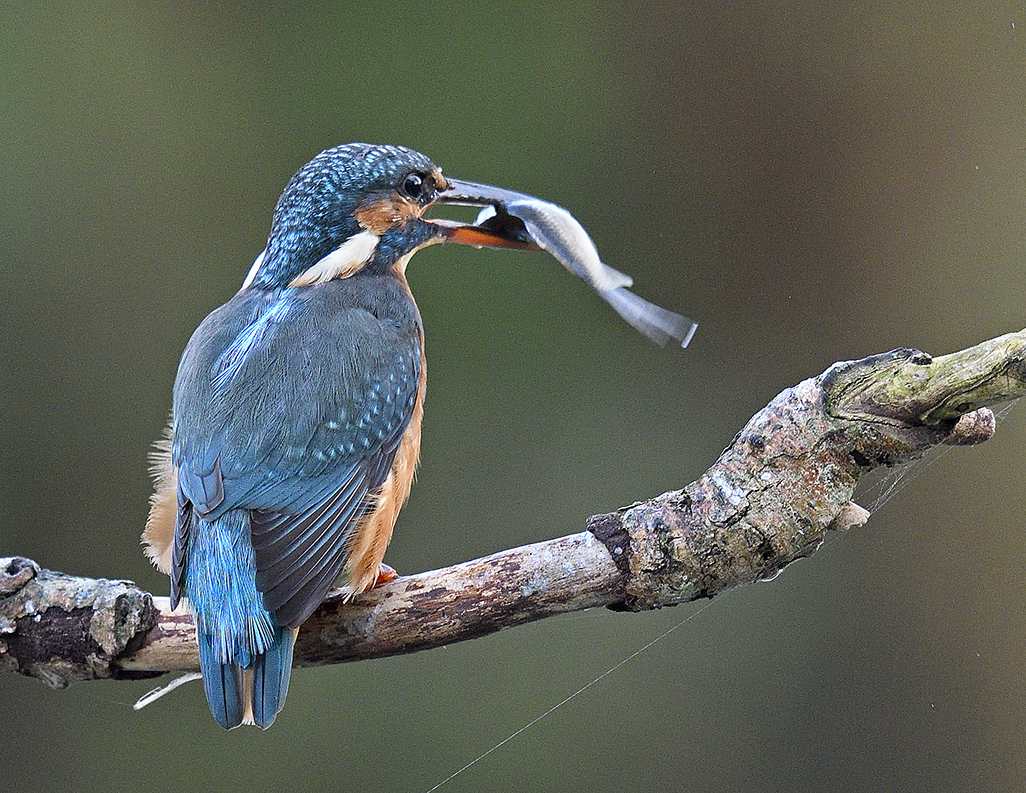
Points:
[(346, 260), (253, 270)]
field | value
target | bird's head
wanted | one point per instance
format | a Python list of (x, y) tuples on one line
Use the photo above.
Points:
[(358, 206)]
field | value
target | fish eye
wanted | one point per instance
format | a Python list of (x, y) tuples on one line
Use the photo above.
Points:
[(413, 185)]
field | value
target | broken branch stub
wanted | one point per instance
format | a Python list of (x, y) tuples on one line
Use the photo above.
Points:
[(62, 629), (789, 475)]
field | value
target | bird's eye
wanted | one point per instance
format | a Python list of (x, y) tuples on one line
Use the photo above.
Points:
[(413, 185)]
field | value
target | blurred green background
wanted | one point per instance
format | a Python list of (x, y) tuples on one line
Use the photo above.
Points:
[(810, 181)]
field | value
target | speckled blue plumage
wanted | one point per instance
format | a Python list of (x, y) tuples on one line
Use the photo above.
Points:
[(289, 407), (299, 432)]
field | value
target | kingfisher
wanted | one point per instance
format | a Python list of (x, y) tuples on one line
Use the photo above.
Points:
[(296, 419)]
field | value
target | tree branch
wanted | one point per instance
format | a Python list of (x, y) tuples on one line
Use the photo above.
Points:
[(784, 481)]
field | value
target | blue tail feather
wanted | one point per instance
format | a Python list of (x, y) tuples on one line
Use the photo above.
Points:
[(245, 656), (247, 694), (271, 679), (222, 684)]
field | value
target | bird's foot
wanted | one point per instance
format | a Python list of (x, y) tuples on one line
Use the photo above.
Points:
[(386, 573)]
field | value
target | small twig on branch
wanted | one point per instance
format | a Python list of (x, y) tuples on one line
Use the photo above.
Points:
[(784, 481)]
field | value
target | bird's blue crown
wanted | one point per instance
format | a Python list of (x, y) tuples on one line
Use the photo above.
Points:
[(317, 211)]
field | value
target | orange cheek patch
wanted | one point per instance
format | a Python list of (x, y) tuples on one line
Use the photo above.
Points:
[(378, 216), (386, 213)]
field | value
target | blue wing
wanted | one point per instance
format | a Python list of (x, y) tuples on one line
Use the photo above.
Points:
[(292, 405)]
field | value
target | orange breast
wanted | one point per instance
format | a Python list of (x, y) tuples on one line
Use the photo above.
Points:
[(374, 531)]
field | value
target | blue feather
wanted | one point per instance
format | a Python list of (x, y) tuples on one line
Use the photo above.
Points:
[(289, 408), (245, 656), (231, 360), (222, 684), (270, 679)]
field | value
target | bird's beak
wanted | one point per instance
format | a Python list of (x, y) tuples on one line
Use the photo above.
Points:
[(501, 230)]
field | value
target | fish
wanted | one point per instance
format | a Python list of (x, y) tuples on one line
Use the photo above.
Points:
[(553, 229)]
